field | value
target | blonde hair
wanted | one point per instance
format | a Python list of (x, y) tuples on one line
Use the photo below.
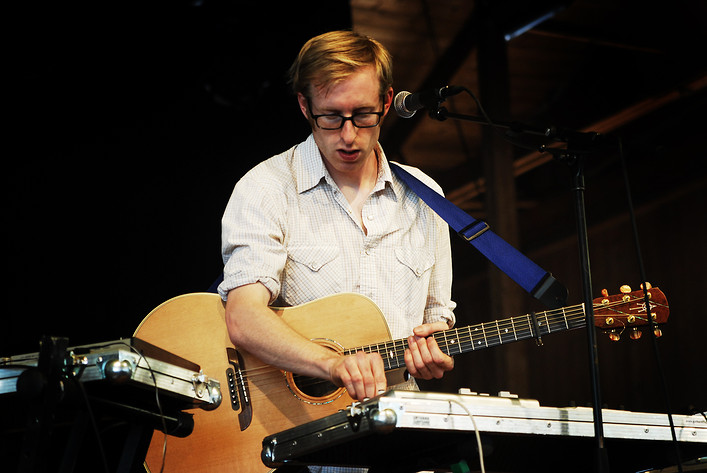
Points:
[(331, 57)]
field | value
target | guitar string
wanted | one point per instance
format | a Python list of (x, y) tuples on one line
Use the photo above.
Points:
[(559, 316), (481, 332), (497, 329)]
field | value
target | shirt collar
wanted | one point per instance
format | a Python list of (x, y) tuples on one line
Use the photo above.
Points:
[(312, 170), (385, 174)]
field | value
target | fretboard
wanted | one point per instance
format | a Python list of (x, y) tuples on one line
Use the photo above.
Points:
[(488, 334)]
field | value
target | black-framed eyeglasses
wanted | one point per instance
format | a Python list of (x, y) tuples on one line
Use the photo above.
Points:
[(333, 121)]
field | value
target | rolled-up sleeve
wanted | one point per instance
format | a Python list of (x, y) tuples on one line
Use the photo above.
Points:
[(252, 238)]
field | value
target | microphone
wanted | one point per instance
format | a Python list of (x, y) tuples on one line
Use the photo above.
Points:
[(406, 104)]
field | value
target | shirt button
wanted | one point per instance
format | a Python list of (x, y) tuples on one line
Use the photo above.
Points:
[(370, 217)]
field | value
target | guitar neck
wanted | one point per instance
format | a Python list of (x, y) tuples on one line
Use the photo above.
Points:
[(489, 334)]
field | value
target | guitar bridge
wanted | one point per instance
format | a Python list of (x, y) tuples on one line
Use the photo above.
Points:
[(238, 388)]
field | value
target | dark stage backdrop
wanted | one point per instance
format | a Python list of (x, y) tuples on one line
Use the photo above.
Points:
[(130, 124)]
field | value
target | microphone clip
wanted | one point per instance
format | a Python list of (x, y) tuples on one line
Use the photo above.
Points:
[(407, 104)]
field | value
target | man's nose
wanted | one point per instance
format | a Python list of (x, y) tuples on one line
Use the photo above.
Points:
[(348, 131)]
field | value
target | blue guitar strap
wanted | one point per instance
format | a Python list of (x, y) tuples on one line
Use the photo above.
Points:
[(531, 277)]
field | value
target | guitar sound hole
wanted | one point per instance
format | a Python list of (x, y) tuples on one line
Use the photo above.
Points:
[(314, 387)]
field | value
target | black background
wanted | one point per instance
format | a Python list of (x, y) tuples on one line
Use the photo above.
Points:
[(130, 124)]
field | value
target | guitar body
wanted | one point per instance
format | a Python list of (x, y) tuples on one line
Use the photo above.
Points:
[(193, 327)]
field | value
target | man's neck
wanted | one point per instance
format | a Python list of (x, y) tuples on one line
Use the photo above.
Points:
[(357, 185), (361, 179)]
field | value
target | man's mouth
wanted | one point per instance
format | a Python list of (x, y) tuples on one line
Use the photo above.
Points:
[(348, 154)]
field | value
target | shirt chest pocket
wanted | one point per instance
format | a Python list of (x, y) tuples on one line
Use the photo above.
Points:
[(412, 276), (312, 271), (418, 260)]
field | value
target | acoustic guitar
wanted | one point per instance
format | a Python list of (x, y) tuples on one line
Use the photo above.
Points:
[(260, 400)]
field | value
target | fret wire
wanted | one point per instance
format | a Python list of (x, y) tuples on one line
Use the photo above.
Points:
[(399, 350), (446, 343), (471, 337), (547, 323), (385, 353), (392, 351), (455, 342), (481, 337)]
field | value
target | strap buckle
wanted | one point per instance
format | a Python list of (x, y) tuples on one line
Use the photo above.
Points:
[(475, 235)]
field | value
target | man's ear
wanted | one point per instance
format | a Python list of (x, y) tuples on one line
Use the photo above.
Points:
[(303, 106), (388, 100)]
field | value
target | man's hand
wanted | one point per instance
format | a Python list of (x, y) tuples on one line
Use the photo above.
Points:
[(423, 358), (362, 374)]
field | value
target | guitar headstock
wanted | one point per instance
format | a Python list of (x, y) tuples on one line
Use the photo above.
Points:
[(627, 310)]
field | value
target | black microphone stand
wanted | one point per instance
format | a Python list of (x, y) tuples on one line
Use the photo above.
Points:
[(578, 146)]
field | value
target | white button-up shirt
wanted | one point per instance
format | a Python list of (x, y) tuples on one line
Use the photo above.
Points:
[(288, 226)]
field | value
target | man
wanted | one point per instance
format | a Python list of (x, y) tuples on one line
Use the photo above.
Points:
[(328, 216)]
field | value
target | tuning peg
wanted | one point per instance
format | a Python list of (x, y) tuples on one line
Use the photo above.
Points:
[(604, 293), (614, 336), (625, 289), (635, 334), (657, 332), (648, 285)]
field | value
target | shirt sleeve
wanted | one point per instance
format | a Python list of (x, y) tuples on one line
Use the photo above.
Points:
[(440, 306), (252, 237)]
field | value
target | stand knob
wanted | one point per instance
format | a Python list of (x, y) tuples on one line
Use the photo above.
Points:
[(118, 371), (383, 420)]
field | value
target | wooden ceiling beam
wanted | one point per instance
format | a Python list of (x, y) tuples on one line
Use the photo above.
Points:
[(447, 64), (463, 196)]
